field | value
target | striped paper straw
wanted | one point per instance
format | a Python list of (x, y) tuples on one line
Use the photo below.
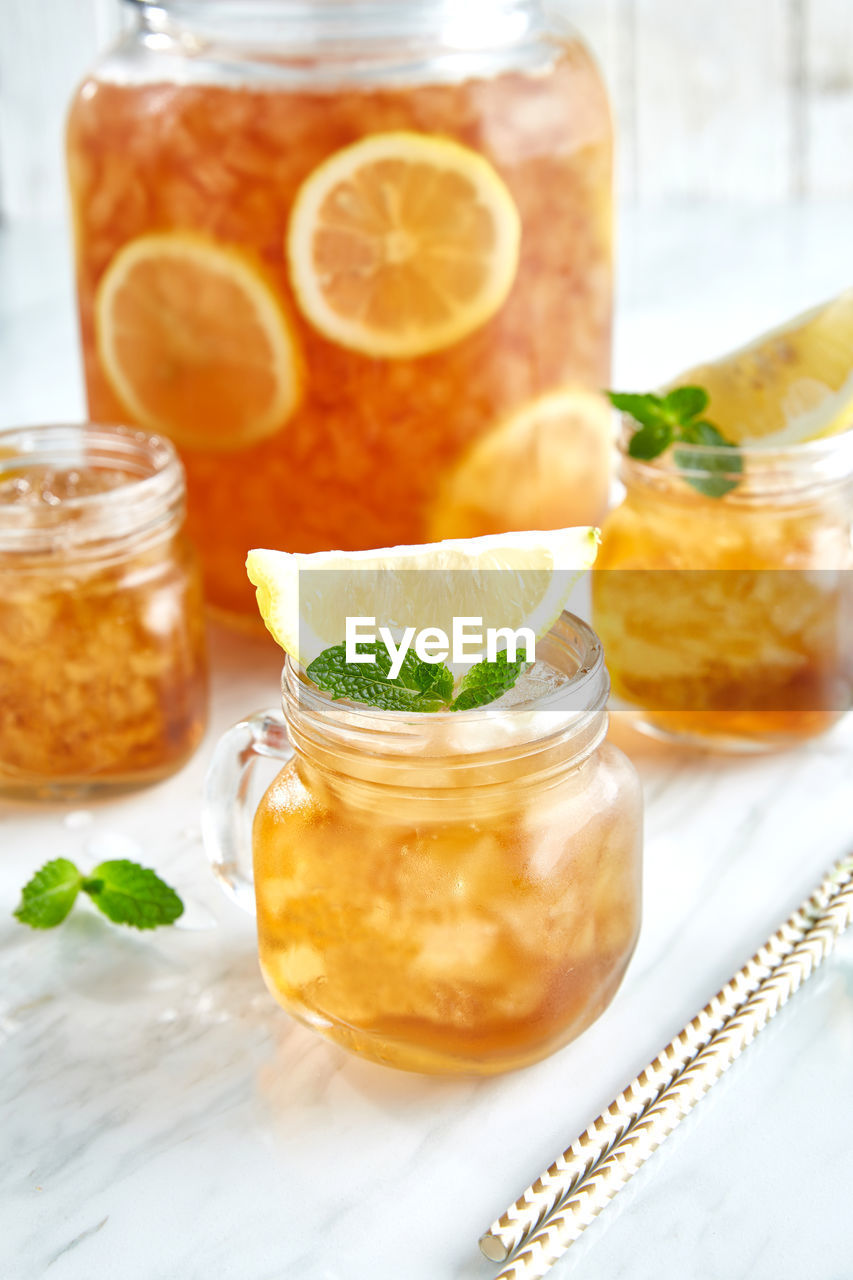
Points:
[(564, 1200)]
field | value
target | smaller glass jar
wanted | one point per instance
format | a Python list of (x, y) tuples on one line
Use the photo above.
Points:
[(102, 645), (723, 592), (450, 892)]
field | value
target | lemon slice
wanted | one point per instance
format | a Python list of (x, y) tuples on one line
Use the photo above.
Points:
[(547, 464), (402, 244), (790, 385), (510, 580), (195, 342)]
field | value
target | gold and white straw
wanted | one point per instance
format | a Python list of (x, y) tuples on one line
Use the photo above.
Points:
[(554, 1211)]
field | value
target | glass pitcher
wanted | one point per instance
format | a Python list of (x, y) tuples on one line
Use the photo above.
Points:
[(354, 258)]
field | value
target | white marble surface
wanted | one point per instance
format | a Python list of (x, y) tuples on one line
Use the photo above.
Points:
[(162, 1119)]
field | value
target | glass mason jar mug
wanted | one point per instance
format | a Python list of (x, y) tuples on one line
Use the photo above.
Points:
[(723, 592), (450, 892), (102, 644), (354, 258)]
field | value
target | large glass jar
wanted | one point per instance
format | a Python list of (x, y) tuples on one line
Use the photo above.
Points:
[(723, 592), (450, 892), (102, 646), (354, 258)]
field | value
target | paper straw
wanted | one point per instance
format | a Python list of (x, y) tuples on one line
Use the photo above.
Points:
[(565, 1199)]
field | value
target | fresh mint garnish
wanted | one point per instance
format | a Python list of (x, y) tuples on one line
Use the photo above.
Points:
[(674, 419), (420, 686), (124, 891), (488, 680)]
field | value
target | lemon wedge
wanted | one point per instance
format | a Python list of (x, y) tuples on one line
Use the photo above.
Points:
[(790, 385), (509, 580)]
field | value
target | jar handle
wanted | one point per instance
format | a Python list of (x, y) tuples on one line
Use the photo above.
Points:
[(226, 821)]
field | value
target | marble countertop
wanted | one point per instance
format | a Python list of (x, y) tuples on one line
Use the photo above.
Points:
[(162, 1119)]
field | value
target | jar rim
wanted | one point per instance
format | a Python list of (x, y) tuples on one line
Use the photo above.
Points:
[(756, 470), (263, 8), (152, 496), (575, 708), (337, 23)]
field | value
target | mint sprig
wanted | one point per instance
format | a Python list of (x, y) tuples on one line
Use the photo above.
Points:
[(123, 890), (676, 418), (420, 686)]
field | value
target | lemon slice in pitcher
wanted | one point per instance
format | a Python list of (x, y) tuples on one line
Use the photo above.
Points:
[(509, 580), (788, 386), (195, 342), (546, 463), (402, 244)]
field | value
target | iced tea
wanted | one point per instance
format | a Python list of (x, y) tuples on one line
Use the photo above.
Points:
[(451, 892), (729, 619), (291, 436), (102, 663)]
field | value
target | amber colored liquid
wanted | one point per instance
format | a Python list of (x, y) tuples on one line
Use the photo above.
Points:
[(443, 934), (726, 624), (102, 665), (360, 462)]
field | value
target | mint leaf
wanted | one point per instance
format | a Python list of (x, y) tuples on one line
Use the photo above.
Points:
[(437, 680), (686, 402), (427, 677), (47, 898), (674, 419), (134, 895), (722, 462), (675, 408), (420, 686), (656, 419), (382, 663), (486, 681), (703, 432), (413, 674), (648, 410), (650, 441)]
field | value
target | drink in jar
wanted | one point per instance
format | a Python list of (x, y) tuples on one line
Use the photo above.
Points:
[(728, 619), (102, 647), (446, 892)]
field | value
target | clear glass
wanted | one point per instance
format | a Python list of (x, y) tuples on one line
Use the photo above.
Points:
[(727, 618), (451, 892), (205, 123), (102, 646)]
